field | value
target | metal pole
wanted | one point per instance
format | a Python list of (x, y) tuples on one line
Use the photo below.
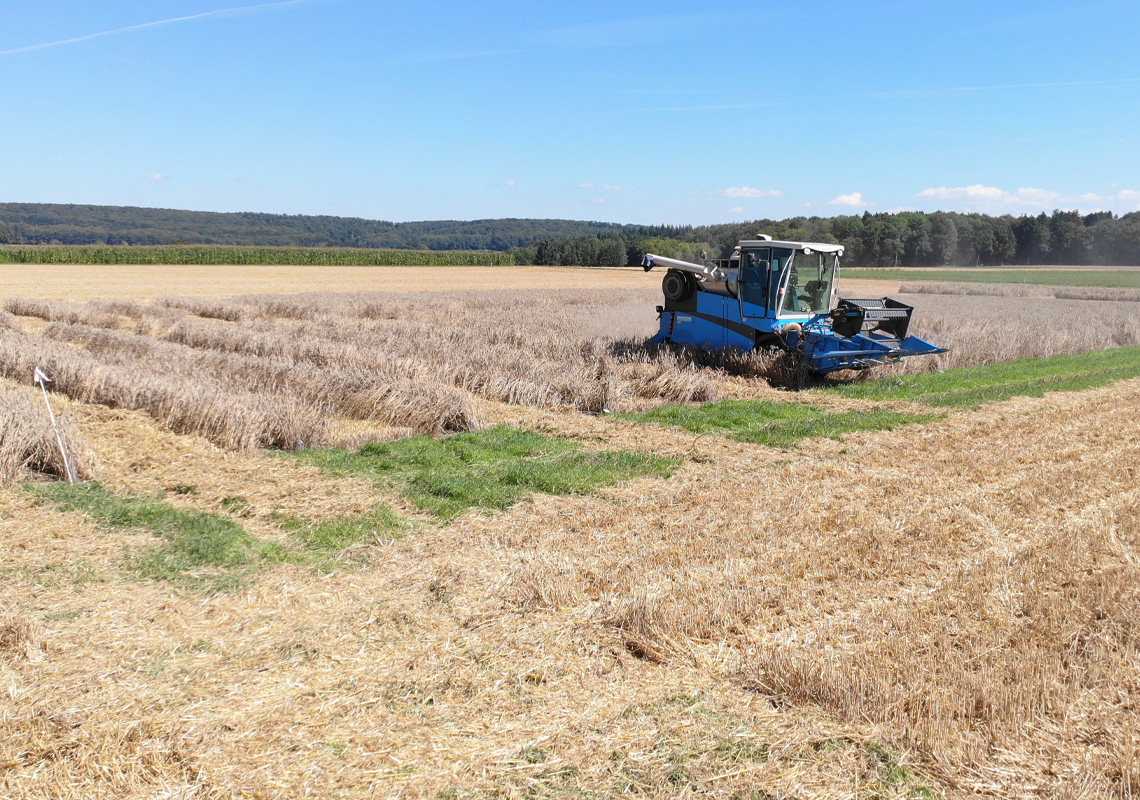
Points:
[(43, 380)]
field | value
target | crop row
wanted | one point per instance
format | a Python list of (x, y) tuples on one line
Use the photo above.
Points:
[(212, 255)]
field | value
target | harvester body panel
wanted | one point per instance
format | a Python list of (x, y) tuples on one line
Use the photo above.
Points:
[(782, 294)]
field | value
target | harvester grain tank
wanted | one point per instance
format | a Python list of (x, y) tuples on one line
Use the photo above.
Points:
[(785, 295)]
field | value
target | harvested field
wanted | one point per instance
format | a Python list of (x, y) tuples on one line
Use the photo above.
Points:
[(945, 609), (78, 282), (286, 371)]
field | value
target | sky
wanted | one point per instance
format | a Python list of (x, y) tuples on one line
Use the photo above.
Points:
[(669, 112)]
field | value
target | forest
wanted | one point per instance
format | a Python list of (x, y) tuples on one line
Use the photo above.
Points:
[(904, 239), (45, 223)]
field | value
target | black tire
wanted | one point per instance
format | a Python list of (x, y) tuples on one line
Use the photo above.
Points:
[(678, 286)]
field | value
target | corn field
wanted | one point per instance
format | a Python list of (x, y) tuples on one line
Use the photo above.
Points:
[(246, 256)]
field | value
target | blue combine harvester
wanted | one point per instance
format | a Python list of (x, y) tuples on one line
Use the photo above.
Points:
[(784, 295)]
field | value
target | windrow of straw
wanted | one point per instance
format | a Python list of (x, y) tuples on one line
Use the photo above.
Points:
[(411, 361), (28, 443), (422, 406), (59, 311), (186, 403)]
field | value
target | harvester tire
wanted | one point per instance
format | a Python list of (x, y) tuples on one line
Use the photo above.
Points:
[(678, 286)]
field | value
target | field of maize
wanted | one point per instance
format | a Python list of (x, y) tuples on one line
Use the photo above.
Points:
[(200, 254)]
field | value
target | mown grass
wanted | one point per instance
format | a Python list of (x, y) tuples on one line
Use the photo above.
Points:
[(1044, 277), (331, 536), (225, 255), (775, 424), (210, 552), (198, 550), (492, 468), (968, 387)]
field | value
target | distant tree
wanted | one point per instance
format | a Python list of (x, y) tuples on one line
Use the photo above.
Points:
[(943, 239), (1072, 240), (611, 252), (1034, 240), (917, 245)]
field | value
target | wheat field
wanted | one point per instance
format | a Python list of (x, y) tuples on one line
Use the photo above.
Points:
[(947, 609)]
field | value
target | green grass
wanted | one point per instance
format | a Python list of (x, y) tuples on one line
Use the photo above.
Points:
[(329, 537), (221, 254), (199, 550), (775, 424), (210, 552), (971, 386), (493, 468), (1047, 277)]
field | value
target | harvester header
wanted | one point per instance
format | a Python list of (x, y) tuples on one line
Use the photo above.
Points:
[(785, 295)]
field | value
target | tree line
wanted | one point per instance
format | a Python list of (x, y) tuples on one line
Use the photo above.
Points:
[(906, 239), (47, 223)]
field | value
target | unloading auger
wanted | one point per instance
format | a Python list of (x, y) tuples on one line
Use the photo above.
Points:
[(785, 295)]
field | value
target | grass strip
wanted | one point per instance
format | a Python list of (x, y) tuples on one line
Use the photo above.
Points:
[(772, 423), (968, 387), (492, 468), (199, 550), (1120, 278), (330, 536)]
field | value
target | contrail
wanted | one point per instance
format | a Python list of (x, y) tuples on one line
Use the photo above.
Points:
[(218, 13)]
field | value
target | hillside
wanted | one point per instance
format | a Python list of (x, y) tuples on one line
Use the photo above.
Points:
[(50, 223)]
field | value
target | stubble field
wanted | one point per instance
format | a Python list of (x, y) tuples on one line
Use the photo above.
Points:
[(945, 609)]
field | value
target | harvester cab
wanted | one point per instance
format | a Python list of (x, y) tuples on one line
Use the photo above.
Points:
[(784, 295)]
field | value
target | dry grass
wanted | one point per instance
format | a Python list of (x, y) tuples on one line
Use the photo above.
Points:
[(1022, 290), (286, 364), (991, 329), (173, 394), (880, 616), (28, 444), (946, 608)]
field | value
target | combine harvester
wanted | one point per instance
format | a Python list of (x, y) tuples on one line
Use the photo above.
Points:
[(783, 295)]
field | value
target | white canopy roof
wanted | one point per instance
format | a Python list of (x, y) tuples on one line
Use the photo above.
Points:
[(819, 247)]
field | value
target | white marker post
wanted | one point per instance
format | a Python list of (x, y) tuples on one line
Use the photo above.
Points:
[(43, 381)]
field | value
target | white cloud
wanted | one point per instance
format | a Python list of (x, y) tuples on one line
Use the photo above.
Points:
[(975, 192), (511, 183), (736, 210), (599, 201), (613, 188), (586, 186), (854, 200), (158, 176), (991, 199), (748, 191), (1036, 197)]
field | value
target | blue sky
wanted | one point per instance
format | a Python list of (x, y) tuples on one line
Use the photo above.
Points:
[(667, 112)]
